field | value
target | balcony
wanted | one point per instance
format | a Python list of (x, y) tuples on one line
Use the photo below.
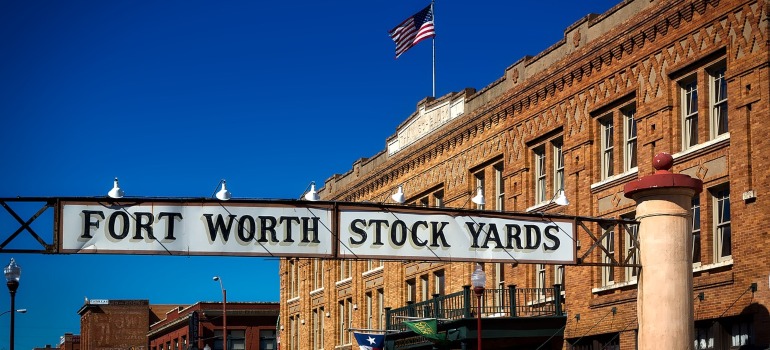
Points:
[(510, 315)]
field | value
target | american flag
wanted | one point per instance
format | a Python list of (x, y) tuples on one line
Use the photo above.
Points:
[(413, 30)]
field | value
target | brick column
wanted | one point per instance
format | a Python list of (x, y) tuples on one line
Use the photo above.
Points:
[(664, 298)]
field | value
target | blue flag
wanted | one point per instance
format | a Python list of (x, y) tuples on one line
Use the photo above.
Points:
[(370, 341)]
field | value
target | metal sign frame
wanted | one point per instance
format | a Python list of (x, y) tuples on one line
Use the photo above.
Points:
[(578, 223)]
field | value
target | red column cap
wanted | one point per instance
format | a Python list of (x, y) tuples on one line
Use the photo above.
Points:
[(662, 178)]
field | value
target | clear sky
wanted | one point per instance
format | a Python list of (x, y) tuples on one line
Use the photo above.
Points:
[(172, 96)]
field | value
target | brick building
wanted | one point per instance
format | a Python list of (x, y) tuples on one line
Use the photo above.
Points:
[(587, 115), (250, 326), (69, 341), (114, 324)]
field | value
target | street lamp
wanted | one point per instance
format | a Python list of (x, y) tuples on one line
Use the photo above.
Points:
[(21, 311), (224, 312), (478, 281), (12, 274)]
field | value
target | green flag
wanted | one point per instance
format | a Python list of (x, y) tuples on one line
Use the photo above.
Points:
[(426, 328)]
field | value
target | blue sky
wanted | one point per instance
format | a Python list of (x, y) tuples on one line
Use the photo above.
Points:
[(172, 96)]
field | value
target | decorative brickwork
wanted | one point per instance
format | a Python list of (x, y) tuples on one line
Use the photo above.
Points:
[(639, 54)]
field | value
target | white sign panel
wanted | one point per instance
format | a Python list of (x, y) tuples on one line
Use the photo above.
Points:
[(197, 229), (445, 237)]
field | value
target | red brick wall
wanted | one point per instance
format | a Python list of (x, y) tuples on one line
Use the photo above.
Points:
[(642, 60)]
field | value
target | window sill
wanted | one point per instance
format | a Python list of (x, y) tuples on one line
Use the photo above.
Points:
[(343, 282), (292, 300), (317, 291), (542, 206), (613, 286), (373, 271), (713, 266), (701, 148), (695, 269), (615, 180)]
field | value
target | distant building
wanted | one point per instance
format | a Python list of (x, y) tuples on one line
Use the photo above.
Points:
[(250, 326), (114, 324), (137, 325), (69, 341), (47, 347)]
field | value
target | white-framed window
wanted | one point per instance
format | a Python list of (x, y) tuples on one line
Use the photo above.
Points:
[(372, 264), (424, 287), (558, 166), (438, 199), (411, 290), (499, 187), (428, 200), (369, 311), (293, 333), (318, 328), (293, 277), (381, 308), (548, 169), (608, 272), (696, 241), (714, 101), (540, 167), (318, 273), (439, 282), (689, 112), (631, 249), (722, 230), (718, 101), (349, 319), (539, 275), (558, 275), (540, 281), (345, 321), (607, 146), (479, 177), (629, 137), (346, 268), (499, 287)]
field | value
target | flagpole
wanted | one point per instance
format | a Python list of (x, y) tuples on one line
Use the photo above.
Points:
[(433, 9)]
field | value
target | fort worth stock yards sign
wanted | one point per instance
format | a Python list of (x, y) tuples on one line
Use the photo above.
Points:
[(310, 229)]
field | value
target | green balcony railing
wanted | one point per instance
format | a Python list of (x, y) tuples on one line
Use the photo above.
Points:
[(507, 302)]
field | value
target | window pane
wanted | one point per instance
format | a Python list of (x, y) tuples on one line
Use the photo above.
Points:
[(690, 104), (741, 334), (630, 138), (439, 281), (696, 230), (558, 160), (539, 175), (719, 102), (723, 230), (607, 147), (499, 188), (479, 185), (608, 273)]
